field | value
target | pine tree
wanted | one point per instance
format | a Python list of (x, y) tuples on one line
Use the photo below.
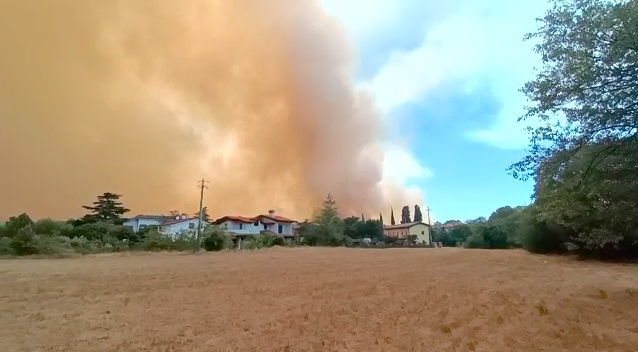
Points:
[(418, 217), (107, 208), (392, 222), (381, 218), (363, 219)]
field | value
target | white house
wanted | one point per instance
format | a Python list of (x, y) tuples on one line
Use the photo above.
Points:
[(250, 226), (140, 222), (173, 227), (166, 225)]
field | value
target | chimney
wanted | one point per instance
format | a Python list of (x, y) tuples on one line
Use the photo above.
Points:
[(177, 217), (271, 212)]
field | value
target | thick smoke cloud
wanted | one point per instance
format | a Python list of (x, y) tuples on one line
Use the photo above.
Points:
[(145, 97)]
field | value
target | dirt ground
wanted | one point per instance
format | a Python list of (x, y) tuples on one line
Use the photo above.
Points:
[(313, 299)]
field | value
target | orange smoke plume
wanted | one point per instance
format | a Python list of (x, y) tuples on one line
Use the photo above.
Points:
[(143, 98)]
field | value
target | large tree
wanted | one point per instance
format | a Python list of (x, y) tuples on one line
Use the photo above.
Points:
[(392, 222), (405, 215), (418, 217), (205, 216), (107, 208), (327, 227), (584, 102)]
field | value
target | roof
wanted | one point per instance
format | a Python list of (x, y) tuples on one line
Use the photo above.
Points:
[(403, 226), (177, 221), (266, 219), (148, 217), (234, 218), (275, 217)]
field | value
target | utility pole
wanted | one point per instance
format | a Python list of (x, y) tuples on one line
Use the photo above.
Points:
[(201, 186), (429, 226)]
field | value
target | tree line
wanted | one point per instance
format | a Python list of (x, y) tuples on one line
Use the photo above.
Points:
[(582, 154)]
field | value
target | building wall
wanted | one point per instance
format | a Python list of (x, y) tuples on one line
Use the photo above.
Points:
[(138, 224), (422, 233), (252, 229), (174, 229)]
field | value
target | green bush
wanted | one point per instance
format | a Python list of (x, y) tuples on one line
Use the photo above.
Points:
[(52, 245), (156, 241), (537, 236), (5, 246), (24, 242), (52, 228), (215, 239), (475, 241)]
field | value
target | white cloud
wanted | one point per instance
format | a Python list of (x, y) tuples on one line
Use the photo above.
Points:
[(481, 40), (399, 164)]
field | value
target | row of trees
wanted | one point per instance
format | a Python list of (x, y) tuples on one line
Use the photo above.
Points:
[(405, 215)]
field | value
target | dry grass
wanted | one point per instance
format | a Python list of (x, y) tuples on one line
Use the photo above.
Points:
[(319, 300)]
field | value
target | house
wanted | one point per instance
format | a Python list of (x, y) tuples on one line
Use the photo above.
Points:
[(173, 227), (140, 222), (250, 226), (165, 225), (419, 229)]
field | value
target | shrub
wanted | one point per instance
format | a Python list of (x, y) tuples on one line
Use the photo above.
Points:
[(156, 241), (83, 245), (215, 239), (24, 242), (5, 246), (537, 236), (475, 241), (52, 245), (52, 228), (184, 241)]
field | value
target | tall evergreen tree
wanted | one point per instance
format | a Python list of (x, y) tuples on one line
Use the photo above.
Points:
[(107, 208), (405, 215), (392, 222), (205, 216), (381, 218), (418, 217), (363, 219)]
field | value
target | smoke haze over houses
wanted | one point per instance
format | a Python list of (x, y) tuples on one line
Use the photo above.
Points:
[(143, 98)]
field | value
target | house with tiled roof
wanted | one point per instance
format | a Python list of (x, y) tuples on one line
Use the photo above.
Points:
[(250, 226), (420, 231), (164, 224)]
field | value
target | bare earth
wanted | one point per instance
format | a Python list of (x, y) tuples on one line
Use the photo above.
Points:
[(313, 299)]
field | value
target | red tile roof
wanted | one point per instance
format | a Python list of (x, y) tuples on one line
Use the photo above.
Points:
[(266, 219), (275, 217), (234, 218)]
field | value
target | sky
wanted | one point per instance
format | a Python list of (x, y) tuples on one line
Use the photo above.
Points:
[(446, 76)]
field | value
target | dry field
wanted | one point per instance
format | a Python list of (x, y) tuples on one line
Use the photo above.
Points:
[(313, 299)]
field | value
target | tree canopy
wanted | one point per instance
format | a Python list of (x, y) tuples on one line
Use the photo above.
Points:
[(583, 153), (107, 208)]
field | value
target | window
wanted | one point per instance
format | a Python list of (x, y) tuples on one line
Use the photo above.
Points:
[(423, 232), (280, 229), (256, 223), (241, 226), (265, 227), (191, 225)]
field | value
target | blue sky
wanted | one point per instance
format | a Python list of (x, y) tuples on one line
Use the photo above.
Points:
[(446, 77)]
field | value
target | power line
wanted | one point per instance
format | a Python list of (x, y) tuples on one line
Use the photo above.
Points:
[(201, 185)]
